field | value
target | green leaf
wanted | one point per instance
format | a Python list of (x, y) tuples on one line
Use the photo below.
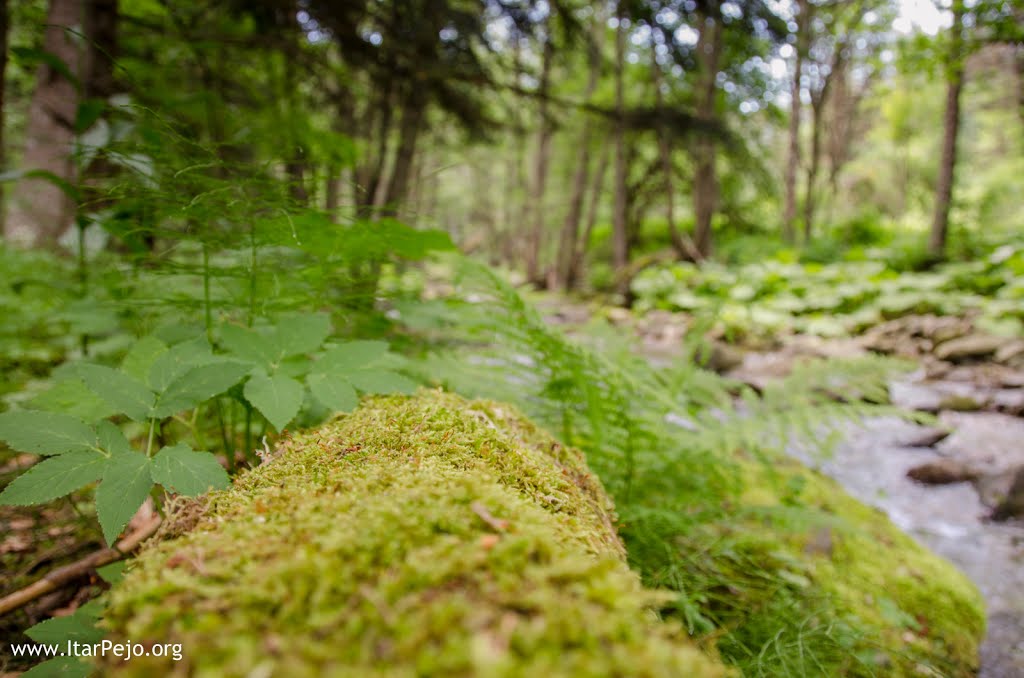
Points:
[(126, 484), (185, 471), (45, 432), (54, 477), (301, 334), (334, 392), (352, 355), (249, 345), (178, 360), (59, 630), (61, 667), (141, 356), (127, 394), (72, 396), (199, 384), (278, 398), (381, 381), (111, 439), (112, 573)]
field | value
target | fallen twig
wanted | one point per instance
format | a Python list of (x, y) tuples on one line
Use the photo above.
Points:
[(55, 579)]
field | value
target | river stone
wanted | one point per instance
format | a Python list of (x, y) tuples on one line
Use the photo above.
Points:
[(1013, 505), (969, 347), (925, 437), (942, 472), (1011, 353)]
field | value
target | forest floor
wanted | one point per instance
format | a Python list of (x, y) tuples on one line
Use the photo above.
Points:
[(940, 483)]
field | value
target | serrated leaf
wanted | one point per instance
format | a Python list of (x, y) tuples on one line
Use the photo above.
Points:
[(140, 357), (249, 345), (72, 396), (54, 477), (59, 630), (381, 381), (178, 360), (185, 471), (278, 398), (352, 355), (61, 667), (301, 334), (333, 391), (198, 384), (110, 438), (129, 395), (126, 484), (45, 432)]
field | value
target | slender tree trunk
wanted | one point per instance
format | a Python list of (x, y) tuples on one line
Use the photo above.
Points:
[(40, 211), (705, 181), (620, 236), (596, 191), (951, 129), (536, 233), (5, 26), (408, 134), (818, 102), (567, 247), (796, 106)]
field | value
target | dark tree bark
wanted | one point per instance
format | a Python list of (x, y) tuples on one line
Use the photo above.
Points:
[(40, 210), (540, 179), (796, 106), (620, 236), (409, 128), (705, 180), (567, 247), (818, 101), (5, 27), (950, 132), (596, 191)]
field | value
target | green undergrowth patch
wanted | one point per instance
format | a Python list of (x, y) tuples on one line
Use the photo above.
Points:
[(793, 577), (420, 536)]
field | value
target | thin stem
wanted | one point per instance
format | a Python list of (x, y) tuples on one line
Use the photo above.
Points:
[(207, 307), (149, 442)]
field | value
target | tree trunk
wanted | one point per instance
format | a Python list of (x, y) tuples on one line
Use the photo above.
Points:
[(567, 247), (536, 233), (620, 238), (41, 210), (795, 108), (705, 181), (101, 31), (951, 129), (408, 134), (575, 270), (5, 26)]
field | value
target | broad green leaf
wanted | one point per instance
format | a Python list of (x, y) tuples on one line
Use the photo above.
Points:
[(129, 395), (54, 477), (72, 396), (111, 439), (140, 357), (61, 667), (126, 484), (178, 360), (381, 381), (352, 355), (333, 391), (301, 334), (249, 345), (198, 384), (187, 472), (112, 573), (45, 432), (278, 398), (59, 630)]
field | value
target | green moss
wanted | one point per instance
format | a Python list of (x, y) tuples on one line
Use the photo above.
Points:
[(795, 578), (420, 536)]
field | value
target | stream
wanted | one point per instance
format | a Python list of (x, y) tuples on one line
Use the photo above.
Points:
[(871, 461)]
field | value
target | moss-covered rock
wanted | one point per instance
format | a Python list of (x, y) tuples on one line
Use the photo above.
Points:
[(419, 536)]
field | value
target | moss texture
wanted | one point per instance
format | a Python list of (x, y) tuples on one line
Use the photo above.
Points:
[(416, 537)]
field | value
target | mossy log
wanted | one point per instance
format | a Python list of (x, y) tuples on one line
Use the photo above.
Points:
[(424, 536)]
